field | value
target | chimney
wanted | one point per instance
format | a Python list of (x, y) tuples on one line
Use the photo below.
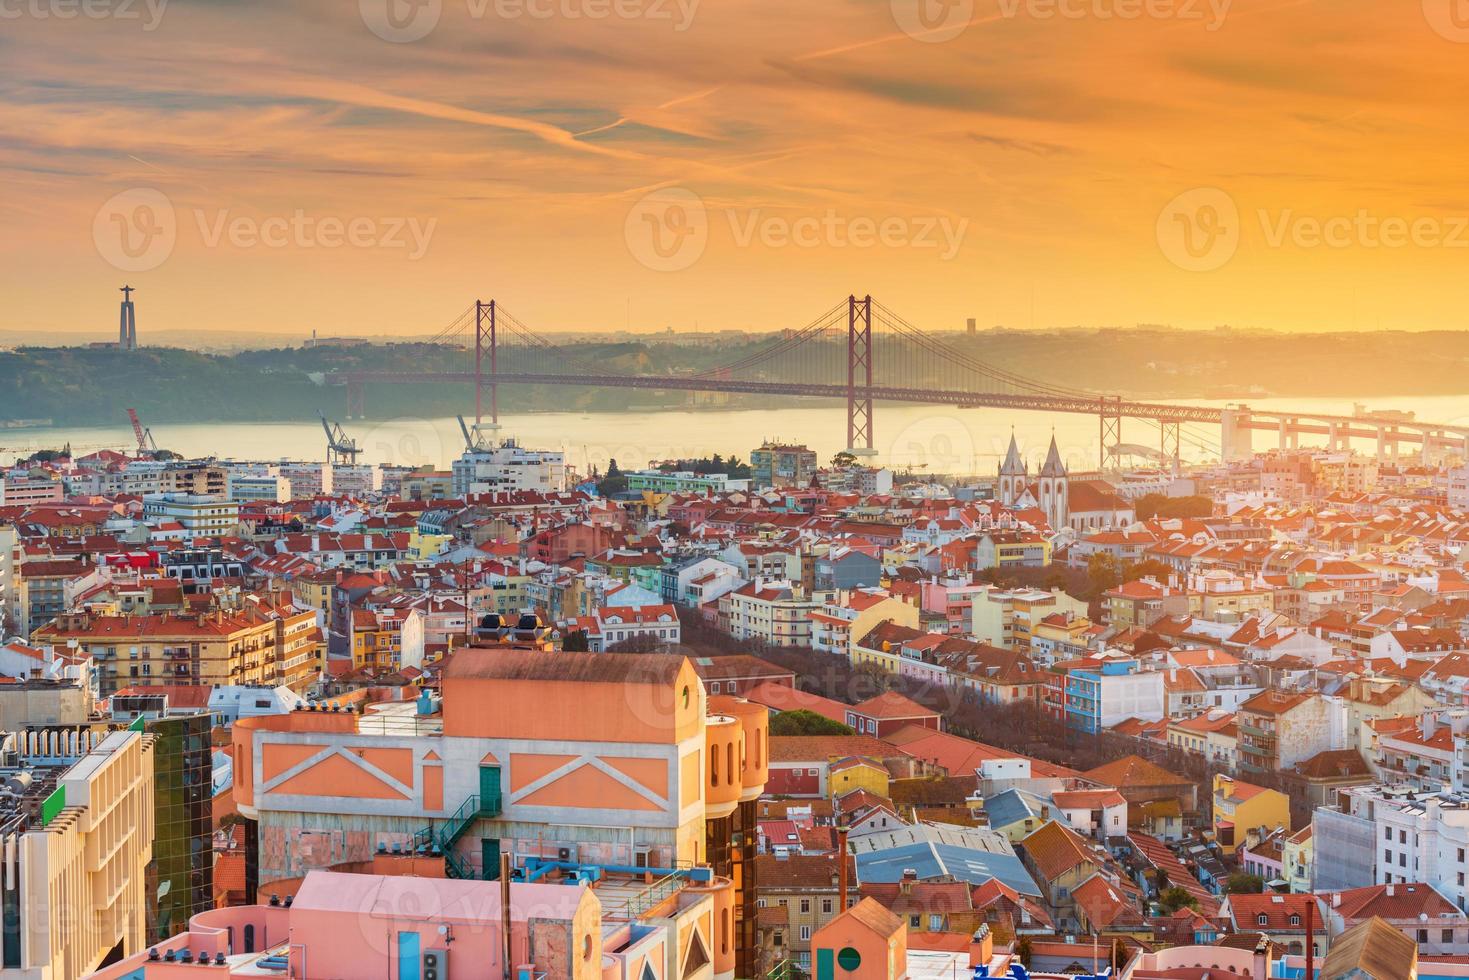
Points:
[(981, 946), (1336, 900), (1389, 891), (909, 877), (1262, 958)]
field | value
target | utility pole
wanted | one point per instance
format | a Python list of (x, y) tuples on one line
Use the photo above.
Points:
[(505, 912)]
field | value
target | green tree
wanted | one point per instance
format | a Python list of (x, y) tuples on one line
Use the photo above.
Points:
[(576, 642), (1023, 951), (1159, 505), (1102, 573), (1175, 898), (842, 460), (1148, 568), (1245, 884), (614, 482), (803, 722)]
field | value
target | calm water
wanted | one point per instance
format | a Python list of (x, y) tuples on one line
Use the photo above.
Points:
[(936, 438)]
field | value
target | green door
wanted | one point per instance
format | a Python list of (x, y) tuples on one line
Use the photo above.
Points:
[(826, 964), (489, 790), (489, 849)]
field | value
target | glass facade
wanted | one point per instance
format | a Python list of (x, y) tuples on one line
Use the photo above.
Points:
[(181, 877)]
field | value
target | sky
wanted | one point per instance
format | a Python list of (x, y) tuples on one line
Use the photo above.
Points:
[(374, 166)]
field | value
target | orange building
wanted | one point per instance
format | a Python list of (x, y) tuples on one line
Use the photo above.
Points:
[(562, 760)]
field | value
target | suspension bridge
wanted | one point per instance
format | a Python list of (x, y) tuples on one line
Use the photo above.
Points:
[(862, 353)]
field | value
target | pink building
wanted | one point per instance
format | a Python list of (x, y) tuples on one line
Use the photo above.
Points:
[(411, 928)]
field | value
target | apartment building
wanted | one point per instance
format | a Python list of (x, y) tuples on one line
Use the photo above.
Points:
[(78, 840), (1008, 617), (201, 515), (1101, 696), (507, 468), (246, 644), (780, 465), (1278, 729), (772, 611), (806, 888)]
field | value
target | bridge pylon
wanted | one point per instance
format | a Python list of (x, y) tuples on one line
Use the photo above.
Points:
[(1109, 414), (859, 376), (485, 342)]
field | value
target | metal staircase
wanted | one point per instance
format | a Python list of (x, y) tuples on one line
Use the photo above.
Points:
[(442, 839)]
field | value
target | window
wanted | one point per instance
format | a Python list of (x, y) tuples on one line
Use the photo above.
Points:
[(1423, 935), (1448, 935), (805, 933), (935, 923), (1262, 919), (1387, 833), (826, 904), (805, 905), (914, 921), (1295, 920)]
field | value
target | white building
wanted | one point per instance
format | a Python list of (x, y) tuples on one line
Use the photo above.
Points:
[(269, 485), (508, 468), (201, 515)]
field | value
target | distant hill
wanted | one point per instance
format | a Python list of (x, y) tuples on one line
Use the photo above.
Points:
[(91, 386)]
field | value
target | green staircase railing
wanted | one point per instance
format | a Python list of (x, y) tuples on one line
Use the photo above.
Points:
[(447, 835)]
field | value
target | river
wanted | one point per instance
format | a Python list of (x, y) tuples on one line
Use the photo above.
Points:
[(927, 438)]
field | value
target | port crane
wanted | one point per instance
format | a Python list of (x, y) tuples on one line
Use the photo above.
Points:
[(474, 440), (144, 436), (339, 447)]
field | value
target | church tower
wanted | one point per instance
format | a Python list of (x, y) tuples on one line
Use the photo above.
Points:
[(1055, 489), (1013, 475)]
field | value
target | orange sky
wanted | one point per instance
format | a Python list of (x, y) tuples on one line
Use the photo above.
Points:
[(1024, 162)]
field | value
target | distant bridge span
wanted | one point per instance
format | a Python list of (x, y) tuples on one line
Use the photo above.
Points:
[(830, 358)]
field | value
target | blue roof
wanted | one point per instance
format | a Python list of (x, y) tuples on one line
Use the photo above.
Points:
[(935, 860), (1006, 808)]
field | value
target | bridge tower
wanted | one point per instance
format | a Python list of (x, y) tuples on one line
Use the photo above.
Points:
[(859, 376), (1109, 413), (485, 342), (1235, 437)]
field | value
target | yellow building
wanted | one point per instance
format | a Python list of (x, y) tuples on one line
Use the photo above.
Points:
[(1241, 807), (377, 639), (1007, 617), (857, 773), (314, 590), (422, 546), (80, 862), (247, 644)]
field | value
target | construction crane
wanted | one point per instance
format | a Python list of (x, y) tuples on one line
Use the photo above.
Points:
[(146, 445), (339, 448)]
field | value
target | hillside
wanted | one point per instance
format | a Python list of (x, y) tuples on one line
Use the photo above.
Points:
[(88, 386)]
